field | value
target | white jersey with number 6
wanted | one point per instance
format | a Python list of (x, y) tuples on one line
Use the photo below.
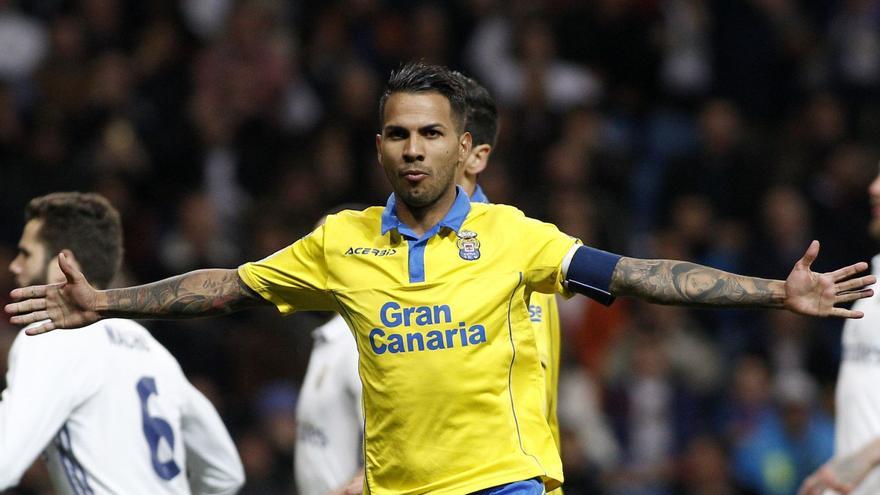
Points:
[(112, 412)]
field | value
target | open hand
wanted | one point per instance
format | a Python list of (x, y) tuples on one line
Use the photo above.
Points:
[(818, 294), (70, 304)]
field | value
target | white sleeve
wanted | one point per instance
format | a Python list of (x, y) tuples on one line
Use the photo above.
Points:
[(355, 387), (211, 457), (49, 375)]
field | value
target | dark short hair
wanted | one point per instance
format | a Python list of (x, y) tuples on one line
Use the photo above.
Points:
[(482, 113), (87, 225), (419, 77)]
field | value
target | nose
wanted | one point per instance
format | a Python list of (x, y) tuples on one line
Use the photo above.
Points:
[(15, 265), (874, 187), (413, 151)]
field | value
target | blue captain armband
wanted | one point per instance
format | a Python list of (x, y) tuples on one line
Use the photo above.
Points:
[(589, 273)]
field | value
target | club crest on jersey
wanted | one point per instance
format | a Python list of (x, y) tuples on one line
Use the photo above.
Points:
[(468, 245)]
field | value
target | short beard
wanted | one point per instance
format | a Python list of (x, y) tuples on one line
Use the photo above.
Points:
[(421, 201), (41, 278)]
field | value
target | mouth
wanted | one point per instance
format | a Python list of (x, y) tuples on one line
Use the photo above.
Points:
[(414, 176)]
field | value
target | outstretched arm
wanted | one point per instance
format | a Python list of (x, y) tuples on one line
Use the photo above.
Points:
[(683, 283), (197, 293), (843, 474), (75, 303)]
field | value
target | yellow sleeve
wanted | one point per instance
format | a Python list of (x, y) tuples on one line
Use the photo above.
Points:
[(546, 247), (294, 278)]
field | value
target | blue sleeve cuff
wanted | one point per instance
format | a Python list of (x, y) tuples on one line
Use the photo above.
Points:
[(589, 273)]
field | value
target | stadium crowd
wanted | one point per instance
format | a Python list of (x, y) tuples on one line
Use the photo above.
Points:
[(727, 132)]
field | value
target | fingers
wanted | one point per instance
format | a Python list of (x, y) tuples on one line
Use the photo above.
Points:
[(41, 328), (809, 257), (856, 283), (29, 292), (846, 313), (848, 271), (812, 486), (27, 319), (26, 306), (846, 297), (819, 483)]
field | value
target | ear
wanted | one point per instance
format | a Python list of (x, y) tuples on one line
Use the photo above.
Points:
[(478, 159), (464, 146), (379, 148)]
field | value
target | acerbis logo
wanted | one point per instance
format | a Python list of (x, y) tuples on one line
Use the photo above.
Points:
[(365, 251)]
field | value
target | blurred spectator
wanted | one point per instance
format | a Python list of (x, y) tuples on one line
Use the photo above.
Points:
[(705, 470), (654, 416), (686, 68), (854, 46), (23, 43), (747, 399), (725, 169), (206, 18), (789, 442), (519, 64), (758, 49), (197, 240), (259, 464), (587, 439), (785, 228)]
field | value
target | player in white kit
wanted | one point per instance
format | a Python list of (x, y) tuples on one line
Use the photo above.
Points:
[(329, 451), (110, 409), (328, 458), (857, 402)]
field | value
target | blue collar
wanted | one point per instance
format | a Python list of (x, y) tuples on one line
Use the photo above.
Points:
[(453, 220), (479, 196)]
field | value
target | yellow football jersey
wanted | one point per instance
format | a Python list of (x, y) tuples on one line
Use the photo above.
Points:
[(447, 353), (544, 315)]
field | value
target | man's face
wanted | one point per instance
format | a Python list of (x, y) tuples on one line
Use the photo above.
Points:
[(420, 147), (30, 266), (874, 197)]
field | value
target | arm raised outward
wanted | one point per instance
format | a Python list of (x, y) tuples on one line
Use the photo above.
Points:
[(75, 303), (843, 474), (804, 291)]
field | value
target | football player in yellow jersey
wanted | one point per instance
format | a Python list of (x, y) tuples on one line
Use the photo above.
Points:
[(436, 291), (482, 123)]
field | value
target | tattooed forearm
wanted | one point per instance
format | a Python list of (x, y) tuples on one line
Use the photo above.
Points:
[(198, 293), (678, 282)]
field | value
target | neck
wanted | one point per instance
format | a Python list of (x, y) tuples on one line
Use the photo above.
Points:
[(469, 185), (423, 218)]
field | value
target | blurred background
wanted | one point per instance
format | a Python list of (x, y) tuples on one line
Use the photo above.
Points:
[(726, 132)]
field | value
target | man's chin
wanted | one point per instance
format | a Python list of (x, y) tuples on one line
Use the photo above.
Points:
[(415, 199)]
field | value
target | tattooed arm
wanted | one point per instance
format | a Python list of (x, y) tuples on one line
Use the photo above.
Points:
[(197, 293), (75, 303), (683, 283), (804, 291)]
